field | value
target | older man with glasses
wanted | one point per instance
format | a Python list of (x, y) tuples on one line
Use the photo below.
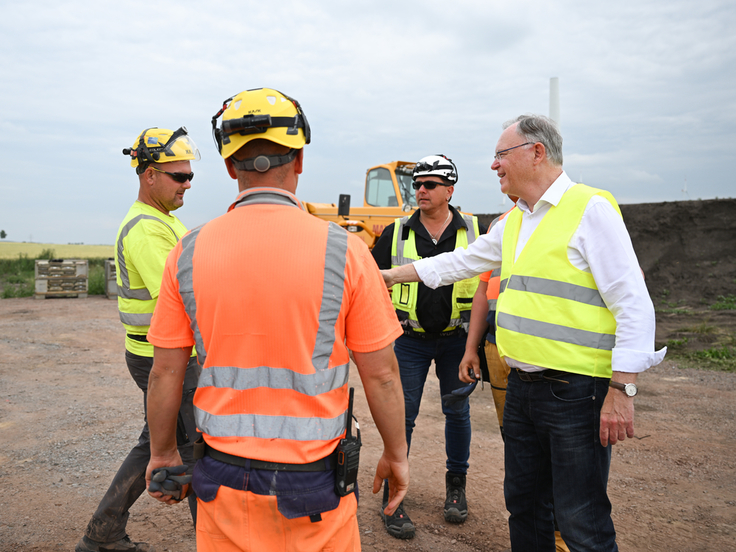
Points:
[(575, 324), (148, 233), (434, 321)]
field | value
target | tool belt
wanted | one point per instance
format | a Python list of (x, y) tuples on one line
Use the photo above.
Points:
[(325, 464)]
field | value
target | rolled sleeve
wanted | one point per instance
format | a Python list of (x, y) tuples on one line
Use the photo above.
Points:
[(605, 244)]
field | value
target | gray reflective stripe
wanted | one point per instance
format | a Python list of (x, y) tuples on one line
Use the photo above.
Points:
[(502, 285), (493, 223), (275, 378), (184, 270), (269, 427), (332, 292), (492, 304), (271, 197), (556, 332), (495, 272), (124, 290), (453, 323), (136, 319), (555, 288), (471, 228), (399, 259)]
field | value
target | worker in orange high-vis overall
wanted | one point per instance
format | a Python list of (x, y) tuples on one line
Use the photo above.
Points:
[(275, 299)]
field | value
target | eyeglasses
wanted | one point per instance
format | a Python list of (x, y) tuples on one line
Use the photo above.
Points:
[(499, 155), (430, 185), (181, 178)]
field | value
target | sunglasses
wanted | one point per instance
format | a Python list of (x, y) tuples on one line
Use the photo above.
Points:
[(181, 178), (431, 185)]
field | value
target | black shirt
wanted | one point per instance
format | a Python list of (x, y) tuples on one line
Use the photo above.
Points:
[(434, 306)]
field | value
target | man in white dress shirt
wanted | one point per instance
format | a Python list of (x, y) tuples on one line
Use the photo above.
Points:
[(576, 325)]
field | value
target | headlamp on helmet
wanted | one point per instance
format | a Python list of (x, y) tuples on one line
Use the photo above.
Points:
[(160, 145), (261, 113), (436, 165)]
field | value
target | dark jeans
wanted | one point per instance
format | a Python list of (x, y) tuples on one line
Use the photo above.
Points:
[(414, 356), (553, 450), (109, 521)]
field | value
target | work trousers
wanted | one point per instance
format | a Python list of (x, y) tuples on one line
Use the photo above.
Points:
[(554, 461), (415, 357), (108, 524)]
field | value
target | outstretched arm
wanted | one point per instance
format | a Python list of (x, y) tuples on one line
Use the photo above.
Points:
[(400, 275), (379, 372)]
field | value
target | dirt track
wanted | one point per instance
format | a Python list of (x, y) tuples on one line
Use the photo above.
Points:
[(69, 412)]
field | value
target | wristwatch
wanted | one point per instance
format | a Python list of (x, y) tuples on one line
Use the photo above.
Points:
[(629, 388)]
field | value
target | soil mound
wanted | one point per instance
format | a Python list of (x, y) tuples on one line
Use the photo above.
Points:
[(687, 249)]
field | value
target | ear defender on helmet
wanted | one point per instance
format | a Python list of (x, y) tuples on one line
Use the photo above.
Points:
[(261, 113), (436, 165), (155, 145)]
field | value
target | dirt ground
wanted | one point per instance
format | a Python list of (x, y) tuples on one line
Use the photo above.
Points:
[(69, 413)]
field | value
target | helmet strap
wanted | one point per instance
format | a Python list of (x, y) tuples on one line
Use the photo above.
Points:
[(264, 162)]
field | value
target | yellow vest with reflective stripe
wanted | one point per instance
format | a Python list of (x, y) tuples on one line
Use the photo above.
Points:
[(404, 296), (144, 240), (549, 313)]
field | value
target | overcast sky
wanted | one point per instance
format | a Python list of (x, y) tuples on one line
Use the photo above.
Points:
[(647, 89)]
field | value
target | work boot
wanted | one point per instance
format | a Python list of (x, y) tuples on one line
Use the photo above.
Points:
[(122, 545), (398, 524), (456, 507)]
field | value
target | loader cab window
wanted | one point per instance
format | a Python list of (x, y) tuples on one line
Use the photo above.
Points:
[(407, 193), (379, 189)]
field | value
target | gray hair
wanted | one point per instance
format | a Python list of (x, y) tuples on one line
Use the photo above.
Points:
[(538, 128)]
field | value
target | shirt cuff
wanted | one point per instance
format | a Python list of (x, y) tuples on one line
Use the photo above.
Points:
[(629, 360), (426, 274)]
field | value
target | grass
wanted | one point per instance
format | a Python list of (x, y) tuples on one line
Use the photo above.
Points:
[(724, 303), (17, 275)]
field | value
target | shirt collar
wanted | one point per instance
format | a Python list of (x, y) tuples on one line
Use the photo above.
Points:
[(553, 195), (250, 193), (457, 219)]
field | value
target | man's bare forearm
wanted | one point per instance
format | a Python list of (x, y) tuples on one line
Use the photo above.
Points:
[(164, 397), (400, 275), (379, 372)]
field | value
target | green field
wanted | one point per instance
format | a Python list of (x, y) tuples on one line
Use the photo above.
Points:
[(12, 250)]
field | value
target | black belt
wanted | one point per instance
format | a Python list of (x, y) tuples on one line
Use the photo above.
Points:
[(135, 337), (326, 463), (544, 375), (424, 335)]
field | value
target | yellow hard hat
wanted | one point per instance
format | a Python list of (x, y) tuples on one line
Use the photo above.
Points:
[(160, 145), (260, 113)]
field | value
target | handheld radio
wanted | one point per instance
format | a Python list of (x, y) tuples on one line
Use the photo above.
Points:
[(348, 455)]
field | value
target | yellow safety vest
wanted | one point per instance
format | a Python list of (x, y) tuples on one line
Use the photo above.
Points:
[(549, 313), (144, 240), (404, 296)]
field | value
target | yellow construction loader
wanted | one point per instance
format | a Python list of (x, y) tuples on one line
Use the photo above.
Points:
[(388, 195)]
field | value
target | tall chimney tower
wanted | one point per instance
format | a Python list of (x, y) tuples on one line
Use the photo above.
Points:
[(554, 100)]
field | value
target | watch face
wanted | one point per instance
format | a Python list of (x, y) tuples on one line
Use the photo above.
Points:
[(631, 389)]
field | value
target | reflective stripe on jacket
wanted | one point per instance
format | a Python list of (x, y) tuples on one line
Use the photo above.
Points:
[(230, 400), (551, 314), (404, 296), (150, 235)]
